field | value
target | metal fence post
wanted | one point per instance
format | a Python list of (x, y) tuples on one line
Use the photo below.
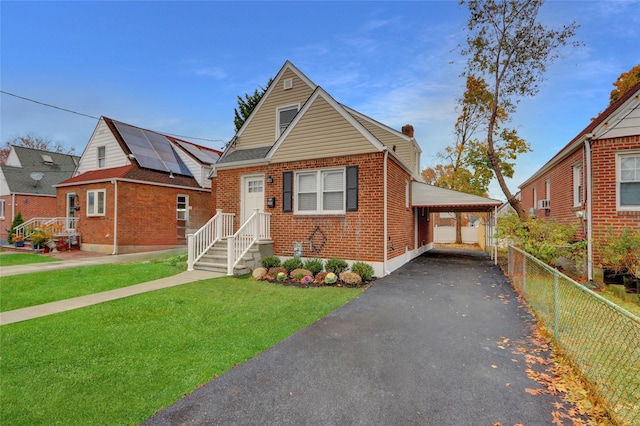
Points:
[(524, 275), (556, 306)]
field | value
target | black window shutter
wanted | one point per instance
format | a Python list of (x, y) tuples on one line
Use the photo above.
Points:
[(287, 191), (352, 188)]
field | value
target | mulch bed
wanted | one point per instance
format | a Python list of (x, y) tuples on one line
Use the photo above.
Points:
[(290, 282)]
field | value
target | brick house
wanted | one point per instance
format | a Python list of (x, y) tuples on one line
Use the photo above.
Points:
[(595, 179), (327, 180), (137, 190), (26, 184)]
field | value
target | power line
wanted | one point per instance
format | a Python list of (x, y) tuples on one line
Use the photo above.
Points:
[(49, 105), (97, 118)]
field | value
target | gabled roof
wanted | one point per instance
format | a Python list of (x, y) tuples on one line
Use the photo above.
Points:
[(264, 154), (288, 66), (131, 173), (53, 167), (446, 200), (600, 122), (320, 92)]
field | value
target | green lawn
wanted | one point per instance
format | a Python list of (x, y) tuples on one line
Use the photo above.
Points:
[(11, 259), (121, 361), (20, 291)]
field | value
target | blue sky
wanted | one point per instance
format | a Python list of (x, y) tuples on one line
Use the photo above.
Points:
[(177, 67)]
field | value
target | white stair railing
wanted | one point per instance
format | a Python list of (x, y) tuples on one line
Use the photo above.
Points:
[(26, 228), (198, 243), (257, 227)]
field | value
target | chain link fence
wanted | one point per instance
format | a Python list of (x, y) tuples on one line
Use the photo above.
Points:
[(600, 338)]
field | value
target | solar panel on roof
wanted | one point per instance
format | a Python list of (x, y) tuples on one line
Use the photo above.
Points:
[(152, 150), (205, 156)]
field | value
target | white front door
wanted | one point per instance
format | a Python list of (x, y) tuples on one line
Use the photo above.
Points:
[(252, 195)]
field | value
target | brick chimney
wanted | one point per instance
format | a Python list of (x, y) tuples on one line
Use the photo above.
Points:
[(408, 130)]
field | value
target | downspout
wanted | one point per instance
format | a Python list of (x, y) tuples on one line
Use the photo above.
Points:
[(115, 216), (587, 147), (385, 232), (13, 206)]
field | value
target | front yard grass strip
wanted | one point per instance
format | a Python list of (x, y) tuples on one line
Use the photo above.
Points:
[(120, 362), (10, 259), (21, 291)]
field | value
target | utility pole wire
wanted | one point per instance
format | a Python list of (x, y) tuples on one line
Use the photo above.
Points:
[(97, 118)]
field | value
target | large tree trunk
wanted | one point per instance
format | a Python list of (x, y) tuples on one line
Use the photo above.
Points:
[(495, 164), (458, 228)]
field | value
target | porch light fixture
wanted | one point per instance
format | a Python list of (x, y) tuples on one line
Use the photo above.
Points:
[(269, 179)]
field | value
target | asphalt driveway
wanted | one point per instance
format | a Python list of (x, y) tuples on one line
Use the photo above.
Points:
[(427, 345)]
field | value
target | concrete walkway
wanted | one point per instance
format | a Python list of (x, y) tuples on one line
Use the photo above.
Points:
[(442, 341), (92, 299)]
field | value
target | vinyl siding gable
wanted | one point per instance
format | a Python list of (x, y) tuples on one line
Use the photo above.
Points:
[(261, 128), (321, 133), (404, 149), (102, 136)]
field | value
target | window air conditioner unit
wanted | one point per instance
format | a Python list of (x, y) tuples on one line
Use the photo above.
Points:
[(544, 204), (532, 211)]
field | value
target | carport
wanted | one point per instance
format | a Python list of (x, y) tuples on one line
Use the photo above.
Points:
[(434, 199)]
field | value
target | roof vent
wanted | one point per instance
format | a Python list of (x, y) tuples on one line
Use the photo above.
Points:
[(47, 159), (288, 84)]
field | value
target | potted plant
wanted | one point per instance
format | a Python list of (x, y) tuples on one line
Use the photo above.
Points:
[(18, 240), (620, 253), (38, 238)]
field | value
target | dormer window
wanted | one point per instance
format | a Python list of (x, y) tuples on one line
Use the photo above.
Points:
[(285, 116)]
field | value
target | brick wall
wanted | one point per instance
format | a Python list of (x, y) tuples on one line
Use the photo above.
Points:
[(604, 203), (605, 214), (561, 196), (29, 205), (354, 235), (146, 214)]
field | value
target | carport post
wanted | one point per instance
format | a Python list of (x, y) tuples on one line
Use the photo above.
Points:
[(493, 237)]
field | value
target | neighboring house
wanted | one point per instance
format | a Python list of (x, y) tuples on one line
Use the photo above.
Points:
[(332, 181), (137, 190), (27, 182), (595, 179)]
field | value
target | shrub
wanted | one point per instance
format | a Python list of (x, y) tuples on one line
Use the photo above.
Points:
[(313, 265), (281, 276), (271, 261), (363, 269), (350, 278), (300, 273), (621, 252), (293, 263), (320, 277), (276, 270), (337, 266), (543, 239), (330, 278), (17, 221)]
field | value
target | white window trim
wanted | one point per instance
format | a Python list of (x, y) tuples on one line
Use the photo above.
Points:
[(185, 209), (547, 189), (2, 208), (619, 156), (406, 194), (95, 192), (98, 157), (319, 192), (284, 108), (577, 185)]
